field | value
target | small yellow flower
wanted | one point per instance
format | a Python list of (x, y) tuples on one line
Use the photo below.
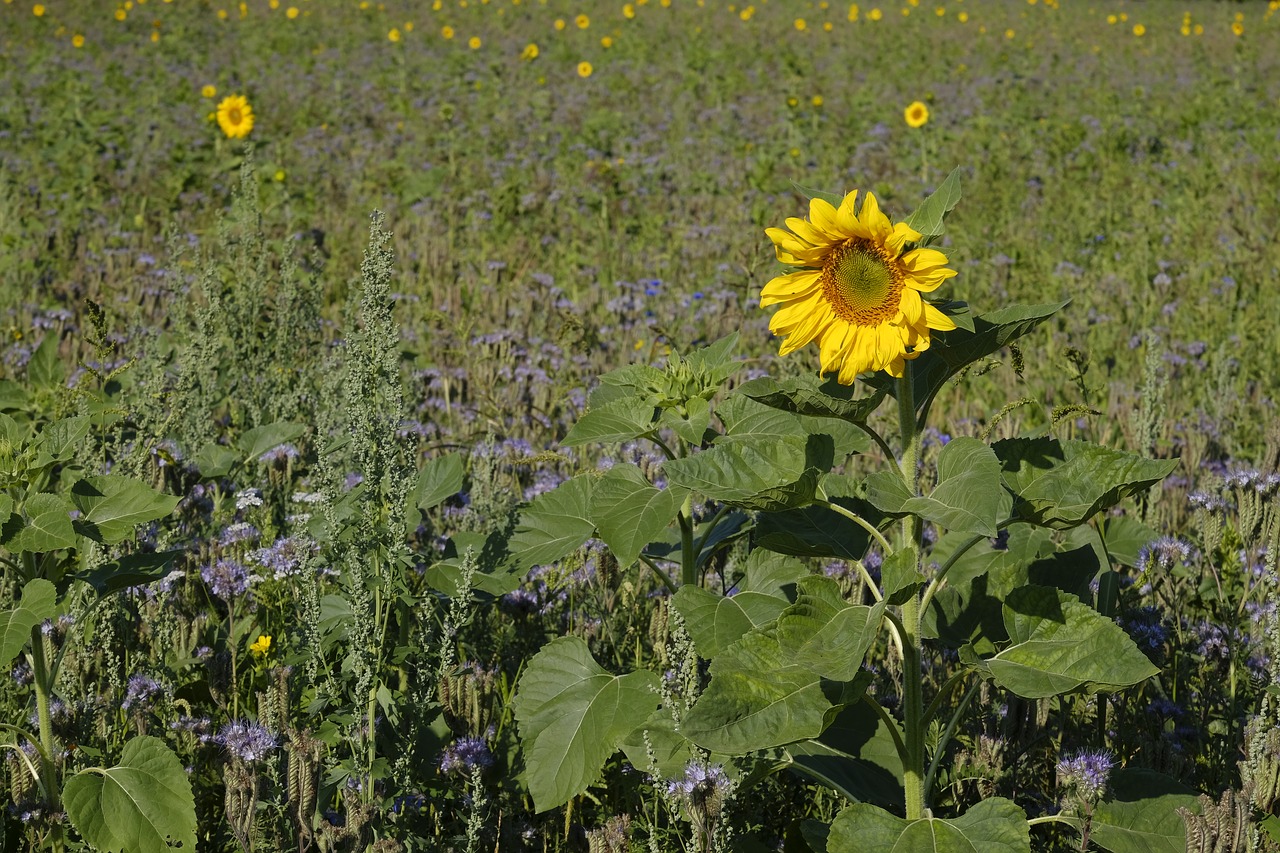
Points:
[(916, 114), (1199, 29), (261, 645), (800, 24), (606, 42), (827, 26), (853, 12), (1237, 28), (77, 40), (875, 14), (963, 17), (1009, 33), (394, 35), (745, 14), (530, 52), (559, 24), (582, 22), (1111, 19), (584, 69), (235, 116), (817, 101), (941, 11), (291, 12), (1124, 16), (793, 102), (1139, 30), (474, 42), (155, 35), (38, 10), (121, 14), (446, 31), (279, 176)]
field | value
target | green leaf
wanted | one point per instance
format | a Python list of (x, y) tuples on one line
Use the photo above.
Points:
[(1061, 645), (767, 688), (928, 217), (773, 574), (953, 351), (690, 421), (45, 369), (48, 525), (112, 505), (142, 805), (13, 397), (753, 473), (555, 524), (743, 416), (39, 602), (856, 756), (252, 443), (900, 575), (672, 751), (638, 381), (1064, 483), (494, 576), (61, 438), (714, 362), (630, 512), (1140, 813), (573, 715), (440, 479), (815, 531), (994, 825), (129, 570), (214, 461), (715, 622), (613, 423), (969, 497), (811, 396)]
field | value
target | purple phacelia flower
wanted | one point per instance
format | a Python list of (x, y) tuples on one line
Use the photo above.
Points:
[(464, 754), (247, 740), (1086, 772)]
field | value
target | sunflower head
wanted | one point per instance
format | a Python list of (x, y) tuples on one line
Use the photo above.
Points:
[(855, 290), (235, 116), (916, 114)]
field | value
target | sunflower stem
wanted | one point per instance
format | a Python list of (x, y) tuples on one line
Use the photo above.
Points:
[(913, 772)]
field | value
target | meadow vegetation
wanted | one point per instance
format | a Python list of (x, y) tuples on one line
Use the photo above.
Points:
[(308, 509)]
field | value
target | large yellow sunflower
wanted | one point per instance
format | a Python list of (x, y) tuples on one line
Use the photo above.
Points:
[(235, 116), (856, 292)]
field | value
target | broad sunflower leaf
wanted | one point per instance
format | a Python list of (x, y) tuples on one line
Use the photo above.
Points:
[(810, 396), (815, 531), (45, 369), (928, 217), (743, 415), (216, 460), (968, 497), (39, 602), (47, 526), (555, 524), (1061, 645), (995, 825), (778, 684), (112, 506), (252, 443), (672, 751), (639, 381), (61, 438), (438, 480), (1061, 484), (630, 512), (621, 420), (1139, 813), (900, 575), (755, 473), (573, 715), (715, 622), (856, 756), (142, 805)]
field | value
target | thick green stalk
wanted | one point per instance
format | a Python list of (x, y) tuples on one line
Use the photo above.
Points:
[(913, 772), (42, 678), (688, 557)]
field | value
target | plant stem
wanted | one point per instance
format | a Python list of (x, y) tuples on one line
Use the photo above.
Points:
[(43, 682), (688, 557), (913, 778), (860, 521)]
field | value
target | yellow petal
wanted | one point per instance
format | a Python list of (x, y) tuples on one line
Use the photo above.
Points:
[(798, 313), (805, 231), (935, 319), (929, 281), (823, 217), (912, 307), (847, 217), (922, 260), (833, 345), (873, 220), (786, 241), (787, 287), (810, 327), (902, 235)]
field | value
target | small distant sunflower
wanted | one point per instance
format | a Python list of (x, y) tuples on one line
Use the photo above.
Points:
[(530, 52), (582, 22), (916, 114), (855, 292), (584, 69), (235, 116)]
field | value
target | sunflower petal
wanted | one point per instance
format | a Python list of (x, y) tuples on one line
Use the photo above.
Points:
[(811, 327), (937, 320), (787, 287), (847, 217), (929, 281), (823, 217), (805, 231), (922, 260), (901, 236), (873, 220), (912, 307)]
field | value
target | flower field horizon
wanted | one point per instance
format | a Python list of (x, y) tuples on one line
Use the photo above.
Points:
[(395, 453)]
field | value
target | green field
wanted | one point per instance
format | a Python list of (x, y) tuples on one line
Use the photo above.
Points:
[(277, 413)]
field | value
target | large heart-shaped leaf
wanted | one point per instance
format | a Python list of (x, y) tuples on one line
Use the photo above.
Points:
[(1061, 645), (1140, 813), (755, 472), (113, 505), (856, 756), (142, 805), (47, 527), (630, 512), (438, 480), (968, 497), (61, 438), (39, 602), (743, 415), (767, 688), (612, 423), (715, 622), (252, 443), (815, 531), (573, 715), (811, 396), (129, 570), (555, 524), (1064, 483), (994, 825)]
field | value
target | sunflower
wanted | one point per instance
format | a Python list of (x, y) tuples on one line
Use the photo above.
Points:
[(856, 292), (916, 114), (235, 116)]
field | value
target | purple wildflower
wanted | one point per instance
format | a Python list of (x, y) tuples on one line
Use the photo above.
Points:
[(247, 740), (226, 579), (464, 754), (1086, 772)]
